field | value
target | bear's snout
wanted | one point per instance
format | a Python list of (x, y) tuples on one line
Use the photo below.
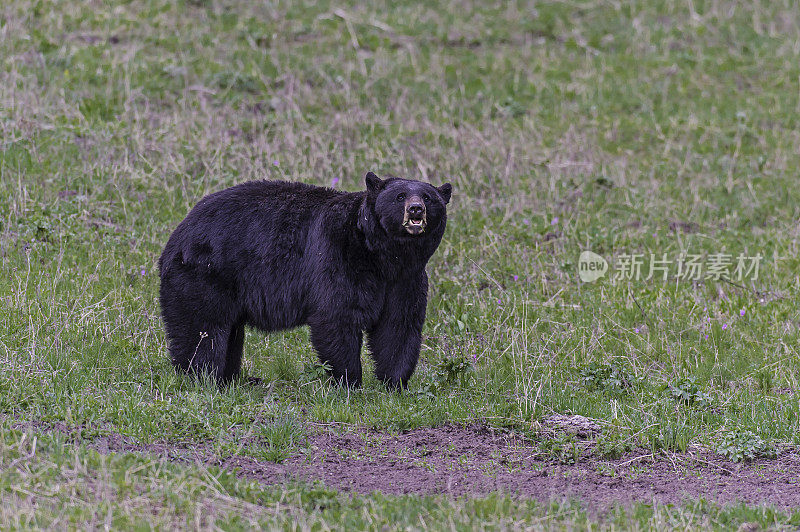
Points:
[(416, 210), (414, 220)]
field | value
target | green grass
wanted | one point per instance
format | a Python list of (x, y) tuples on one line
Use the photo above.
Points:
[(644, 127)]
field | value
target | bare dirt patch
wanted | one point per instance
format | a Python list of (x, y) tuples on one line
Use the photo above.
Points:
[(464, 461), (474, 460)]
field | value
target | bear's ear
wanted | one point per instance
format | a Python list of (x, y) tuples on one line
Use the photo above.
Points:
[(374, 183), (445, 190)]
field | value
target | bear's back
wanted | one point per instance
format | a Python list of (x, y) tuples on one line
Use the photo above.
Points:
[(267, 220), (253, 194)]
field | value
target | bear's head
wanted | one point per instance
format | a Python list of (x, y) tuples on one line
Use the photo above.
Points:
[(408, 209)]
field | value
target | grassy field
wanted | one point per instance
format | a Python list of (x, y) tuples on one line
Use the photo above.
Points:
[(621, 128)]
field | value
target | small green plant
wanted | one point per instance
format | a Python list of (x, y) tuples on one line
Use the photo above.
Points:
[(673, 436), (609, 378), (687, 392), (613, 446), (455, 371), (743, 445), (563, 448), (448, 373), (315, 371)]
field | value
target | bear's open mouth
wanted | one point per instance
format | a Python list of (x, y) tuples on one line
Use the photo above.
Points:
[(414, 224)]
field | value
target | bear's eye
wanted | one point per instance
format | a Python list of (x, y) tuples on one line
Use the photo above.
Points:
[(401, 197), (426, 197)]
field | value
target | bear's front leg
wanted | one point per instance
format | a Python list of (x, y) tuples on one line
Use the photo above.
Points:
[(339, 345), (396, 338)]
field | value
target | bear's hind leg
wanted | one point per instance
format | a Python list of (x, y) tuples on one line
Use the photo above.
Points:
[(340, 346), (200, 348), (233, 358)]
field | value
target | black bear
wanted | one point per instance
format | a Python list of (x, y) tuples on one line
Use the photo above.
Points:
[(276, 255)]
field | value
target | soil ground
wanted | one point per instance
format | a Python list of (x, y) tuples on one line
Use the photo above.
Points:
[(463, 461)]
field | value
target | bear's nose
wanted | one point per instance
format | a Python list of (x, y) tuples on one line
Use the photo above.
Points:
[(416, 209)]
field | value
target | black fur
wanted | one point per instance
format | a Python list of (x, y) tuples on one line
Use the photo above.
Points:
[(276, 255)]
